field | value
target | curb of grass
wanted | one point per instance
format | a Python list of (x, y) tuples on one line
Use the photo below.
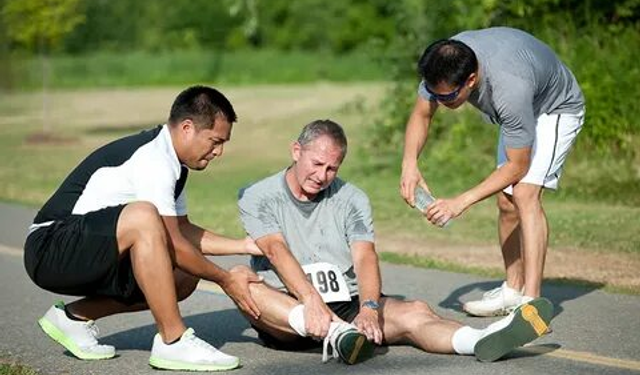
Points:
[(431, 263), (8, 367)]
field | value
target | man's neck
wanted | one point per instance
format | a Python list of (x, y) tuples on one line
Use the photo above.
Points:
[(295, 188)]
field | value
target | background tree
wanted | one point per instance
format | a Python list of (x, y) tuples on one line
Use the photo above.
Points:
[(40, 25)]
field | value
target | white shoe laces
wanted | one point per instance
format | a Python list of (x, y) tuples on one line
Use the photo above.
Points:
[(93, 328), (93, 332), (195, 340), (335, 329), (492, 293)]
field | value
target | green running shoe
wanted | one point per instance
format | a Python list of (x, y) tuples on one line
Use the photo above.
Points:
[(525, 324)]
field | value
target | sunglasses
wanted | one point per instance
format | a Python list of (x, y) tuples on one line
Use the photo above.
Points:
[(444, 97)]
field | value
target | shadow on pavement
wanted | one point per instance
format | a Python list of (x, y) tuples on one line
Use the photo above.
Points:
[(532, 351), (216, 328), (558, 294)]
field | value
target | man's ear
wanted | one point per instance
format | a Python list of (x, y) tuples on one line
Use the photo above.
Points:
[(187, 126), (472, 80), (296, 149)]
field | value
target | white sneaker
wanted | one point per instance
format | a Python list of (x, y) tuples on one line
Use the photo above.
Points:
[(190, 353), (496, 302), (347, 343), (77, 337)]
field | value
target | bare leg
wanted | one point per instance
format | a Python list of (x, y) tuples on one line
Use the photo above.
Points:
[(275, 307), (415, 323), (535, 235), (509, 233), (98, 307), (142, 236)]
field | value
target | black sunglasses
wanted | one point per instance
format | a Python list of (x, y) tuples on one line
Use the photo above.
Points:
[(444, 97)]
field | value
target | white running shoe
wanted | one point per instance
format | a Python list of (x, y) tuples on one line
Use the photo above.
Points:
[(77, 337), (496, 302), (347, 343), (191, 354)]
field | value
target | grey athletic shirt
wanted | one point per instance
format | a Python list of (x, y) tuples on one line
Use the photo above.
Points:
[(521, 78), (321, 230)]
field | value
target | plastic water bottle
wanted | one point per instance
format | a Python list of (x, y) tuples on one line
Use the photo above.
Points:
[(423, 199)]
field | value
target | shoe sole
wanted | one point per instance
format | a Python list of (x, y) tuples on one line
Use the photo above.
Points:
[(58, 336), (354, 348), (488, 314), (164, 364), (531, 321)]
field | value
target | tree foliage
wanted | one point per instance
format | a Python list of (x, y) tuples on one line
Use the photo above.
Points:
[(597, 39), (40, 23)]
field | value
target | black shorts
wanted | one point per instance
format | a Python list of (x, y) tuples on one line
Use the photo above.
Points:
[(79, 256), (346, 311)]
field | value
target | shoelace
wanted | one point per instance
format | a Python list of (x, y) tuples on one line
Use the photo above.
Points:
[(326, 344), (492, 293), (93, 331), (330, 340), (200, 343)]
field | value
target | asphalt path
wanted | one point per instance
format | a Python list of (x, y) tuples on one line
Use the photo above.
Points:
[(594, 332)]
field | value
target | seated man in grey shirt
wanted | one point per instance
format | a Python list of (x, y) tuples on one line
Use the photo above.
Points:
[(321, 272)]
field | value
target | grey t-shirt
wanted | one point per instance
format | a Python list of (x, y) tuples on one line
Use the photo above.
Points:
[(521, 78), (321, 230)]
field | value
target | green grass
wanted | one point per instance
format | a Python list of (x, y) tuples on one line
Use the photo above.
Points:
[(271, 117), (578, 223), (247, 67), (15, 369)]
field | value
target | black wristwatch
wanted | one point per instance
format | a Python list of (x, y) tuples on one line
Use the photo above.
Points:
[(373, 305)]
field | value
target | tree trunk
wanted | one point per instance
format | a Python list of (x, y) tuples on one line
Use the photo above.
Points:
[(46, 124)]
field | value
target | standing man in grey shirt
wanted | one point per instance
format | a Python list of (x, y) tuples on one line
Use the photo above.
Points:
[(518, 83), (321, 272)]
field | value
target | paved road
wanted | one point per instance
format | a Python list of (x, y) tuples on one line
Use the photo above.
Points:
[(593, 332)]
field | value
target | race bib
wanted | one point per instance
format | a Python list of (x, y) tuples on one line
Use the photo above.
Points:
[(328, 281)]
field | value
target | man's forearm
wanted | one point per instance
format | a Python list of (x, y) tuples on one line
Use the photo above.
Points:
[(191, 260), (289, 271), (502, 177), (414, 140), (368, 272), (417, 131), (209, 243)]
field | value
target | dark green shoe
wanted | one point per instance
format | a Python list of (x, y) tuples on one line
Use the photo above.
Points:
[(353, 347), (530, 321), (346, 343)]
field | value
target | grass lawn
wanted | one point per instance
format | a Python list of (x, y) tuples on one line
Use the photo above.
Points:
[(270, 117)]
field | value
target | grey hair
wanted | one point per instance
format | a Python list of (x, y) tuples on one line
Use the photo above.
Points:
[(318, 128)]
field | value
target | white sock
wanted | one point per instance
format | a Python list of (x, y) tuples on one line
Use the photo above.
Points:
[(465, 339), (526, 299), (296, 320)]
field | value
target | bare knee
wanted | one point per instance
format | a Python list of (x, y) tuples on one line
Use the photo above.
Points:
[(526, 196), (143, 215), (241, 268), (138, 222), (416, 314), (506, 205), (254, 288)]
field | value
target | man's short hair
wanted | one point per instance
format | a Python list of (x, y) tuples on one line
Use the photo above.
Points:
[(318, 128), (449, 61), (201, 104)]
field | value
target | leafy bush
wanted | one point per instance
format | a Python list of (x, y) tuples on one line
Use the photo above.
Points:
[(597, 43)]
